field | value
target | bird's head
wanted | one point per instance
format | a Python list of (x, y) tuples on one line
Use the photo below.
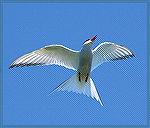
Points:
[(90, 41)]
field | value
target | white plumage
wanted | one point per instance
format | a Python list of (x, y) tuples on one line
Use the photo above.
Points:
[(108, 51), (83, 61), (52, 54)]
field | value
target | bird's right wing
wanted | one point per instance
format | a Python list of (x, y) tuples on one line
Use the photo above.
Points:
[(108, 51), (48, 55)]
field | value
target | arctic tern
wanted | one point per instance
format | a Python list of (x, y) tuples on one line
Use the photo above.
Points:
[(83, 62)]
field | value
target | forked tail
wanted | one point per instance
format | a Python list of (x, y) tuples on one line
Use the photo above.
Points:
[(73, 84)]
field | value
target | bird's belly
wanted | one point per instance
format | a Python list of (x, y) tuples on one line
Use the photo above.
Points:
[(83, 73), (84, 69)]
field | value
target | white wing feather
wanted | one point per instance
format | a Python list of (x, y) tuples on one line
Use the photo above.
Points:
[(108, 51), (48, 55)]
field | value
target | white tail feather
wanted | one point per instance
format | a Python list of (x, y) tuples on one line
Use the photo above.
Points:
[(73, 84)]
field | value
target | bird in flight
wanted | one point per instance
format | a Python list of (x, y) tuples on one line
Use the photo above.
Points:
[(83, 62)]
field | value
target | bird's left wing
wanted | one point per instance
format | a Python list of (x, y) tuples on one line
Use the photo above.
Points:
[(48, 55), (108, 51)]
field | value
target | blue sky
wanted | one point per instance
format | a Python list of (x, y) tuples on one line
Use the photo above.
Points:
[(122, 84)]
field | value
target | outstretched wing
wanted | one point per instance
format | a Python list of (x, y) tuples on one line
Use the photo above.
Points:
[(48, 55), (108, 51)]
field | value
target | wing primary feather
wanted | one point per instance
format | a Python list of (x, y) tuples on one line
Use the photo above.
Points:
[(108, 51), (48, 55)]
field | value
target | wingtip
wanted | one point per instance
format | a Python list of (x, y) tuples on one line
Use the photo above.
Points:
[(11, 66), (133, 55)]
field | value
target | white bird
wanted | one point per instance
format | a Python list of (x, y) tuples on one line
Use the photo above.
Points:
[(83, 61)]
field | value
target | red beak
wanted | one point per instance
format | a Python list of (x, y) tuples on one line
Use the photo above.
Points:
[(93, 38)]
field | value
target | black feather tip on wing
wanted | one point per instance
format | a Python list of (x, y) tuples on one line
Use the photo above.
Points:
[(24, 64), (124, 57)]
